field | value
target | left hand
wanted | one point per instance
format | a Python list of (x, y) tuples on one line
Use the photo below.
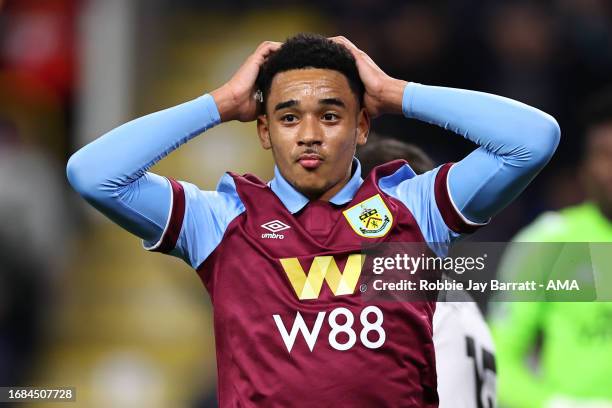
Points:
[(383, 94)]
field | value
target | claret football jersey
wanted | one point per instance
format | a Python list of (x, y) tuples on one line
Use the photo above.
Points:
[(291, 327)]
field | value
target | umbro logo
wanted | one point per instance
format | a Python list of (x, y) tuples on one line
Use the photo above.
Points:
[(274, 227)]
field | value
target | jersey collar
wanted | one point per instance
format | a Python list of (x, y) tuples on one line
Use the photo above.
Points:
[(294, 201)]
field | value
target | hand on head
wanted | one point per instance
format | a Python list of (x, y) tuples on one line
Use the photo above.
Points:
[(380, 89), (236, 99)]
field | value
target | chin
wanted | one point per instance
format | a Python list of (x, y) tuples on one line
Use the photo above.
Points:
[(310, 190), (310, 185)]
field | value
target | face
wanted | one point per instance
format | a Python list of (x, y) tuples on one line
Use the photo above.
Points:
[(313, 124), (598, 166)]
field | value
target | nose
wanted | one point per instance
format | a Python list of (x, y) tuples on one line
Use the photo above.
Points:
[(310, 132)]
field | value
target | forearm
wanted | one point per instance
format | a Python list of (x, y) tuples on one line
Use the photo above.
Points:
[(515, 140), (111, 172)]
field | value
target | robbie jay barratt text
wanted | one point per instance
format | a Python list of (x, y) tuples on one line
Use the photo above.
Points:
[(472, 285)]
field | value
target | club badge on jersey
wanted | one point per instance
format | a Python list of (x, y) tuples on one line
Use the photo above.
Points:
[(370, 218)]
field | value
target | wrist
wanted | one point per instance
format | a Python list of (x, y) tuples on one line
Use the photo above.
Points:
[(392, 96), (226, 103)]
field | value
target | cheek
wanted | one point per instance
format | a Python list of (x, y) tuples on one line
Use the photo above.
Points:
[(344, 141), (280, 135), (282, 139)]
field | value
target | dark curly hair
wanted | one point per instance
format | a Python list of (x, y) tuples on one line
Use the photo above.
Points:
[(307, 50)]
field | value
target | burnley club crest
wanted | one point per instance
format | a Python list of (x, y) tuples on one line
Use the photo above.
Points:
[(370, 218)]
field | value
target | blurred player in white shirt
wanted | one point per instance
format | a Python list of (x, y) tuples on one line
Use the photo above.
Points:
[(465, 353)]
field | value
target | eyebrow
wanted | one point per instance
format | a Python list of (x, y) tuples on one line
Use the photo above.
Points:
[(325, 101), (332, 101), (286, 104)]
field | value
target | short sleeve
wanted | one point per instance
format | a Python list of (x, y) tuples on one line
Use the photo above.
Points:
[(452, 217), (167, 241), (197, 220), (428, 199)]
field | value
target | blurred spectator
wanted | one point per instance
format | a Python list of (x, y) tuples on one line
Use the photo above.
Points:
[(381, 149), (523, 49), (574, 356), (464, 379), (33, 242), (551, 54), (36, 79)]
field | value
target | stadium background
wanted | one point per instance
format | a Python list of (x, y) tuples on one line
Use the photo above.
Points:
[(80, 303)]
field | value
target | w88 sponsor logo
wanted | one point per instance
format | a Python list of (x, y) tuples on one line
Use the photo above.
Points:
[(311, 335)]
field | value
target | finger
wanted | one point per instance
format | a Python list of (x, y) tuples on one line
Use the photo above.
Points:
[(339, 38), (272, 48), (345, 41), (264, 50), (356, 52), (267, 46)]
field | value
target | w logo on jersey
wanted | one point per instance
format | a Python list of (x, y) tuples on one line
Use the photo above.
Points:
[(323, 268)]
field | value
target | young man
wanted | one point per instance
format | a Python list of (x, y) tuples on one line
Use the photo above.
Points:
[(281, 261), (573, 339), (465, 353)]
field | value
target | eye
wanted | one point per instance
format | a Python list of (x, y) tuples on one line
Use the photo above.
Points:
[(330, 116), (288, 118)]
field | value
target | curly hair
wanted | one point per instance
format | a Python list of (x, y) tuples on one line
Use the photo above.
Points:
[(307, 50)]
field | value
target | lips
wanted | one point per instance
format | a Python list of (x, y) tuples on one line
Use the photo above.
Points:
[(310, 161)]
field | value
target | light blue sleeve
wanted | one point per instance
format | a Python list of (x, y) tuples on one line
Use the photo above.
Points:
[(515, 142), (207, 216), (417, 194), (111, 174)]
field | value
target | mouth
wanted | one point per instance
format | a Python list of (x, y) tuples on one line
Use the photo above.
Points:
[(310, 161)]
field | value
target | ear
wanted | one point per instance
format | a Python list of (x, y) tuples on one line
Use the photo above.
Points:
[(263, 131), (363, 126)]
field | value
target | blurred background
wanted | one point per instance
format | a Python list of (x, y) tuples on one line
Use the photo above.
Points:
[(81, 304)]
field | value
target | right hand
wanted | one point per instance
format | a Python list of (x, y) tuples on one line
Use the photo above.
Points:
[(383, 93), (235, 99)]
